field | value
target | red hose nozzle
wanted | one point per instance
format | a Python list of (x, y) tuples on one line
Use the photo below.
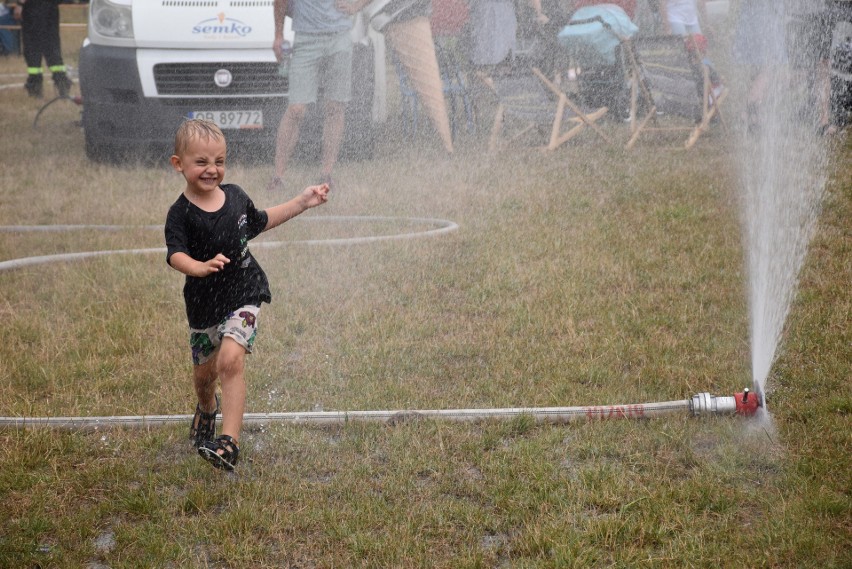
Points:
[(747, 402)]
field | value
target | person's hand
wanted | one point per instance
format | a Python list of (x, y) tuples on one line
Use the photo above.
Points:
[(542, 18), (313, 196), (276, 47), (214, 265)]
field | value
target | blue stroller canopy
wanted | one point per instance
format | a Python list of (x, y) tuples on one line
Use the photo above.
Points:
[(594, 32)]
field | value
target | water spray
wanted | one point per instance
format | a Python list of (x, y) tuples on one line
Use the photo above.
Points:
[(743, 404)]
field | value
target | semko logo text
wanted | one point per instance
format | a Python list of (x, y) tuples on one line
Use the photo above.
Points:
[(220, 25)]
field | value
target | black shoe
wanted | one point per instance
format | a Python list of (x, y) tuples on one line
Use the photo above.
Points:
[(63, 83), (35, 86), (203, 427), (221, 453)]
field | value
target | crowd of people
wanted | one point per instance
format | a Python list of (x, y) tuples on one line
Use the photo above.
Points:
[(486, 31)]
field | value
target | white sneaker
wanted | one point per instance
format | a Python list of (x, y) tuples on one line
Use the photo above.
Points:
[(715, 93)]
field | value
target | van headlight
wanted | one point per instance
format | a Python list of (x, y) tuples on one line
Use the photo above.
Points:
[(111, 19)]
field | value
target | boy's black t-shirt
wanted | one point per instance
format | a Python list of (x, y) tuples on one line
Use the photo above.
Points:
[(202, 235)]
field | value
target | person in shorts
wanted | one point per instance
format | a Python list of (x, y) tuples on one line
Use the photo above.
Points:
[(321, 61), (809, 36), (683, 18), (207, 232), (758, 47)]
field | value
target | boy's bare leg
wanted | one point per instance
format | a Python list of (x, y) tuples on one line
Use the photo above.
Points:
[(204, 382), (332, 134), (288, 136), (230, 366)]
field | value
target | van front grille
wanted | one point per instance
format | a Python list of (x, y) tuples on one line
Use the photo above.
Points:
[(199, 79)]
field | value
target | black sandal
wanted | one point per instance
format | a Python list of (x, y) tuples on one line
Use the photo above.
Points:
[(221, 453), (203, 427)]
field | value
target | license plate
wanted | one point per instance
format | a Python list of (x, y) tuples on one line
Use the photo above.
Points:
[(231, 119)]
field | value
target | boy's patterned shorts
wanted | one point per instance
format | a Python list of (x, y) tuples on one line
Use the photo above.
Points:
[(240, 325)]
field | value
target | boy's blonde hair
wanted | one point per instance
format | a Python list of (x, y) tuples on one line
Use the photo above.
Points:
[(195, 128)]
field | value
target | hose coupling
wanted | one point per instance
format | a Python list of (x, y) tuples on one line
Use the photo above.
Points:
[(747, 402), (744, 403)]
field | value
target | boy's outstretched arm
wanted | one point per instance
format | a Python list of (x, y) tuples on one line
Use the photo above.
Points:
[(311, 196), (189, 266)]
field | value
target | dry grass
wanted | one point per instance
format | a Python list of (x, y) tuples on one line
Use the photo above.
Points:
[(585, 276)]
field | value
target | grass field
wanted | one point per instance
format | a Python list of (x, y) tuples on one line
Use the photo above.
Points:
[(581, 277)]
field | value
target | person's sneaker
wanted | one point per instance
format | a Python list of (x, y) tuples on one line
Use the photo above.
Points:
[(35, 86), (62, 83), (715, 93)]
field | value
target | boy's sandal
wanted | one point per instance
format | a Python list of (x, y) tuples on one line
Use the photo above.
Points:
[(203, 427), (221, 453)]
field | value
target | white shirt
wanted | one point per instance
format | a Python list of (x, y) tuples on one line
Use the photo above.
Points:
[(682, 11)]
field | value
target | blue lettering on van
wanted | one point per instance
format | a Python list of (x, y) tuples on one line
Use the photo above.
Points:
[(222, 26)]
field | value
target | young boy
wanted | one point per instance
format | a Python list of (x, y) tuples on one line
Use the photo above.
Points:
[(207, 233)]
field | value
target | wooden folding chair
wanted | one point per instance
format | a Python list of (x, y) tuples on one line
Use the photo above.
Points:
[(534, 100), (668, 88)]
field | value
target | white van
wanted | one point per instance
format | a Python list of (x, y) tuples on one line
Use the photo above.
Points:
[(148, 64)]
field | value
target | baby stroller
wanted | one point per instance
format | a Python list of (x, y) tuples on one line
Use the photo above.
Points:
[(595, 39)]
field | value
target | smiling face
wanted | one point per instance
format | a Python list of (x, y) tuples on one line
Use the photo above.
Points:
[(202, 163)]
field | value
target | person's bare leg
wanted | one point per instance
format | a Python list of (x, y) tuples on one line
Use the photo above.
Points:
[(287, 137), (757, 90), (756, 98), (332, 134), (230, 367), (204, 382), (823, 94)]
